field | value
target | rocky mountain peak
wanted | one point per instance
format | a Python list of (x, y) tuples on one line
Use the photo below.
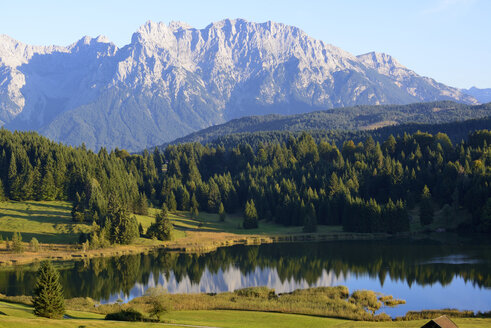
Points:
[(173, 79), (384, 64)]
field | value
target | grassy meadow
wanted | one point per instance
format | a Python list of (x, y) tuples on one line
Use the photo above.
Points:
[(51, 222), (14, 315), (48, 222)]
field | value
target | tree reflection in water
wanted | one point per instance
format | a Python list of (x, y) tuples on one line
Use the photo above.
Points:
[(282, 266)]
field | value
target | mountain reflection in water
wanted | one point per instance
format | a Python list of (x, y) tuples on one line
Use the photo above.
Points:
[(427, 274)]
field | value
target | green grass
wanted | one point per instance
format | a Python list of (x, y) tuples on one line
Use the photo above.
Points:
[(239, 319), (48, 222), (233, 224), (18, 315), (441, 220)]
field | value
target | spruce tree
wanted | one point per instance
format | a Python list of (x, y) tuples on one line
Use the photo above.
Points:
[(162, 228), (425, 208), (310, 220), (250, 216), (221, 212), (141, 204), (2, 191), (17, 246), (194, 207), (171, 202), (14, 180), (48, 297)]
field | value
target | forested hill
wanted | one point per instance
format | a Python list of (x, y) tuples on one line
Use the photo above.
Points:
[(365, 187), (456, 131), (348, 118)]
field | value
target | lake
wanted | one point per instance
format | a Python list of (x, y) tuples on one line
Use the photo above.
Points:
[(447, 272)]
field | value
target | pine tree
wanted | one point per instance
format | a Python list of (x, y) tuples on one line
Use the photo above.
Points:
[(17, 246), (2, 191), (48, 297), (123, 227), (250, 216), (141, 204), (77, 209), (171, 202), (194, 207), (162, 228), (221, 212), (425, 208), (14, 180), (310, 220), (48, 188)]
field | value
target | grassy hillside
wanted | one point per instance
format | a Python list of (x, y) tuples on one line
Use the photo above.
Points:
[(48, 222), (51, 222), (352, 118), (15, 315)]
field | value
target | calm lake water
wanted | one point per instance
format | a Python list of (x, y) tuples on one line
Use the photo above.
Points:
[(450, 272)]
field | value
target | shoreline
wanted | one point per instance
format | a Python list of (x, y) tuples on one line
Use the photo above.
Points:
[(194, 242)]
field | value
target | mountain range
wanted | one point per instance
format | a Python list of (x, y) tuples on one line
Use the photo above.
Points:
[(173, 79), (481, 95)]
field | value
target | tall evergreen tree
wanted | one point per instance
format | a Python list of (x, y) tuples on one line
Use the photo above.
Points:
[(250, 216), (171, 202), (2, 192), (162, 228), (310, 219), (17, 245), (123, 227), (48, 297), (221, 212), (425, 207)]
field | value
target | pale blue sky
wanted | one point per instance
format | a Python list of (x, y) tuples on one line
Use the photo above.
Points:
[(449, 40)]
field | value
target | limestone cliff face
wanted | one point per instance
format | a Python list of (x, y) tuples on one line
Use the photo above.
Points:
[(174, 79)]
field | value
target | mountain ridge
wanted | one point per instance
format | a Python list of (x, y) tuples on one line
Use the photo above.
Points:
[(353, 119), (172, 79), (481, 95)]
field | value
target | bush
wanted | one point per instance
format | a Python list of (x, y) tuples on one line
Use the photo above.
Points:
[(260, 292), (126, 315), (34, 245), (430, 314)]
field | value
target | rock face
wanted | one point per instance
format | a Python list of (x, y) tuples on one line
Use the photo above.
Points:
[(174, 79)]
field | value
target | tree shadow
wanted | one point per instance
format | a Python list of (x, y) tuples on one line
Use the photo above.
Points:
[(55, 238)]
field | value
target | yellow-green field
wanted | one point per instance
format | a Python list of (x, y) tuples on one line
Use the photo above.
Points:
[(233, 224), (48, 222), (17, 315), (51, 222)]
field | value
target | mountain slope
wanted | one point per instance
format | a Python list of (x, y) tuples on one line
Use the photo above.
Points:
[(354, 118), (174, 79), (481, 95)]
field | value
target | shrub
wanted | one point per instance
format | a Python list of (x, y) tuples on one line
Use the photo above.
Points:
[(34, 245), (260, 292), (126, 315)]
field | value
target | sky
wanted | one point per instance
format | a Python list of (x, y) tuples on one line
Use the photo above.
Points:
[(448, 40)]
